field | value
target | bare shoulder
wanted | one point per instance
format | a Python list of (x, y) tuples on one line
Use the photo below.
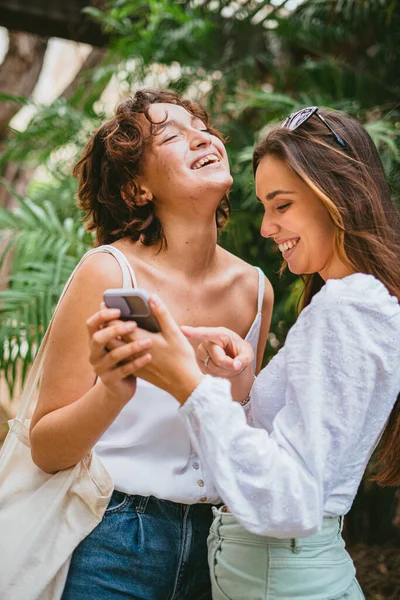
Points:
[(82, 299), (67, 373), (98, 269), (96, 273)]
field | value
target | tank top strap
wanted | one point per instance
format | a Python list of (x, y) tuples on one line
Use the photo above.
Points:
[(261, 288), (128, 274)]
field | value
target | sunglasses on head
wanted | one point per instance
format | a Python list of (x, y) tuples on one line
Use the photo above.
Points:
[(298, 118)]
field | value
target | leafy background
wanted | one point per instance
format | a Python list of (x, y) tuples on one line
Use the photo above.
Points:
[(250, 62)]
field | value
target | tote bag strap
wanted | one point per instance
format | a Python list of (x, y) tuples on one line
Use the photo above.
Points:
[(128, 281)]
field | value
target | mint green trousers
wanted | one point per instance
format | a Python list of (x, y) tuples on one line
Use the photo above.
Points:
[(245, 566)]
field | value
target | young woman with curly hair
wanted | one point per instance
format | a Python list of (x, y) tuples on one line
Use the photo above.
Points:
[(153, 183)]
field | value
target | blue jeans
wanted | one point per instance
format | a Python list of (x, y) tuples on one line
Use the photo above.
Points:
[(143, 549)]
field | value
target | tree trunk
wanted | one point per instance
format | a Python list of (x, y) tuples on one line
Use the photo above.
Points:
[(92, 60), (19, 72), (25, 58)]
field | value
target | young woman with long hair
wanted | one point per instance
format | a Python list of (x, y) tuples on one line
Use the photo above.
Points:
[(153, 184), (320, 407)]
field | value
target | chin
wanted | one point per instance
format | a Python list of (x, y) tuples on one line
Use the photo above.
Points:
[(228, 181), (222, 184), (229, 177), (296, 270), (221, 175)]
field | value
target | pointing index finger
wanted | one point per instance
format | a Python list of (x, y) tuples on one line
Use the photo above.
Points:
[(217, 335)]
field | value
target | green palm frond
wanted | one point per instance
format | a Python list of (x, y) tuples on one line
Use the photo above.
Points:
[(51, 127), (44, 247), (25, 312)]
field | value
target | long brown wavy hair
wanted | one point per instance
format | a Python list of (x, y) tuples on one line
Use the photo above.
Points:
[(111, 161), (352, 185)]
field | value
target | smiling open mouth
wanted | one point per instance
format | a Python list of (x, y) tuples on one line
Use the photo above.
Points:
[(205, 161), (287, 247)]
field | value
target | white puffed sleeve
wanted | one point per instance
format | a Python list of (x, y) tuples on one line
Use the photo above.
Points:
[(277, 484)]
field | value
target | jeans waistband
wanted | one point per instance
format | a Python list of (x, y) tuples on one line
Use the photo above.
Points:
[(143, 504), (226, 525)]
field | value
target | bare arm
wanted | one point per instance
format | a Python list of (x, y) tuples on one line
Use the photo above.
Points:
[(74, 409)]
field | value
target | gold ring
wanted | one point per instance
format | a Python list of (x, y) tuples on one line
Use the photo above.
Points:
[(207, 360)]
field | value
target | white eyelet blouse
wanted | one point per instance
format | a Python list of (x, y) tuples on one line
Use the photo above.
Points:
[(317, 412)]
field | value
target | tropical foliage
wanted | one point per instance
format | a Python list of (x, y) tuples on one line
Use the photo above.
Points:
[(250, 62)]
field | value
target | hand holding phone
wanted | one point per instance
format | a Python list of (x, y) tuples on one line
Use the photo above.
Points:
[(134, 306)]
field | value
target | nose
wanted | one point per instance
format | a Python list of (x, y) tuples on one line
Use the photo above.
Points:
[(200, 139), (268, 227)]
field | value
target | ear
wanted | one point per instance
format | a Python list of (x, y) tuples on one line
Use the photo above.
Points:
[(143, 193)]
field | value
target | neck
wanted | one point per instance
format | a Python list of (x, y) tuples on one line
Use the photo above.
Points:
[(191, 245), (336, 270)]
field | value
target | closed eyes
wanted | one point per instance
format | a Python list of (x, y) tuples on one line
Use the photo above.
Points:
[(175, 135), (283, 207), (170, 138)]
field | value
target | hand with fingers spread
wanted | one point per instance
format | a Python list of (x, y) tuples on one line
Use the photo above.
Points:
[(114, 355)]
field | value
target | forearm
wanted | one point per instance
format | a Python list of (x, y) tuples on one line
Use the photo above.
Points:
[(61, 438)]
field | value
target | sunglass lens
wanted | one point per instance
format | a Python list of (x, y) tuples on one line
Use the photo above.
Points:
[(298, 118)]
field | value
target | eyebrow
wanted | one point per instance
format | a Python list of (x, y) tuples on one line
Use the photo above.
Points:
[(159, 128), (272, 195)]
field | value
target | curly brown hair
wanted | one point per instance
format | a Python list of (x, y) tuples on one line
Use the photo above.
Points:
[(111, 161)]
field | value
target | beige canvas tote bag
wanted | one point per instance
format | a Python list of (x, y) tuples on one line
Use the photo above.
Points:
[(44, 517)]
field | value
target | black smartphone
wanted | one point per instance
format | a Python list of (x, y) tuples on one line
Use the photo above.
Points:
[(134, 306)]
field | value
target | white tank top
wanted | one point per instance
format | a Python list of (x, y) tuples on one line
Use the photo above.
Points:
[(147, 449)]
